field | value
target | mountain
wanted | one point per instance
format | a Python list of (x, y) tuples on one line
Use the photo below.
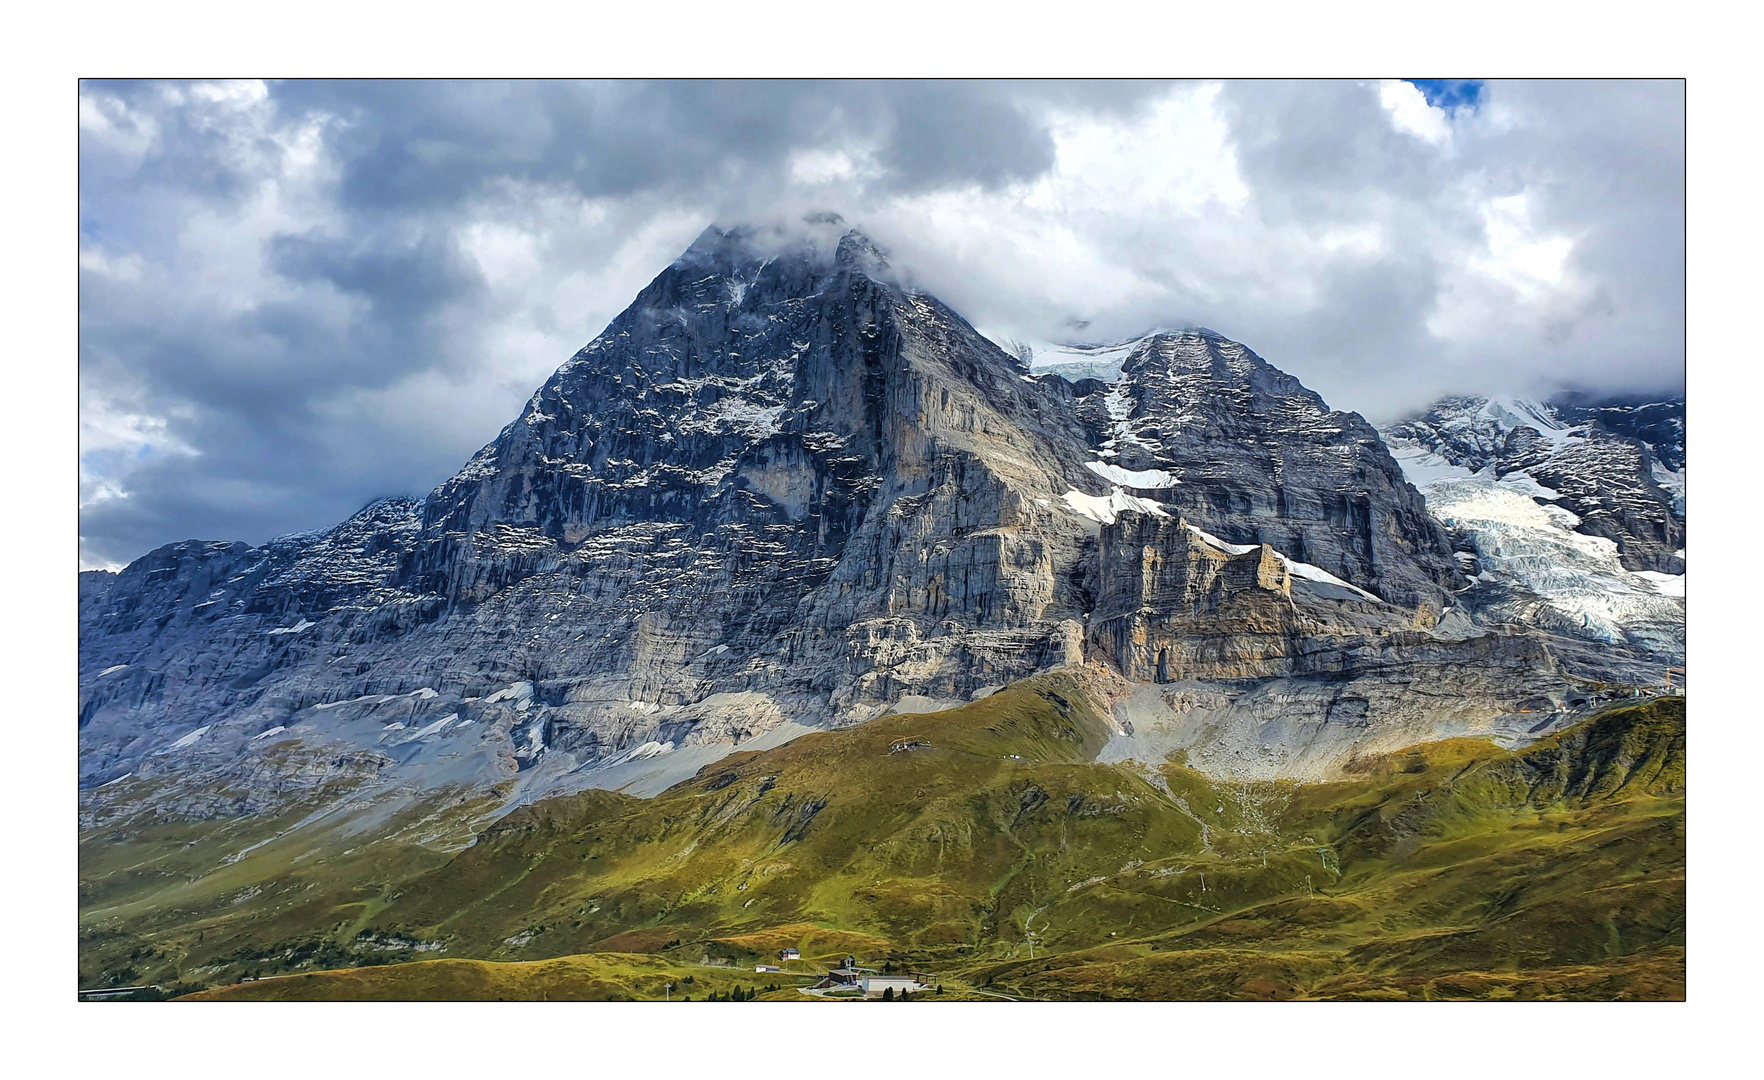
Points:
[(1654, 421), (783, 492), (1570, 512)]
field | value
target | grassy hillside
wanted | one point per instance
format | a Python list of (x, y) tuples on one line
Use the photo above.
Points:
[(1453, 870), (943, 840), (183, 902), (595, 977)]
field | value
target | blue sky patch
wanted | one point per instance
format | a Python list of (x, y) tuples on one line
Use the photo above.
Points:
[(1450, 93)]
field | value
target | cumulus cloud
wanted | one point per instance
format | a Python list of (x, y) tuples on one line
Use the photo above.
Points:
[(296, 297)]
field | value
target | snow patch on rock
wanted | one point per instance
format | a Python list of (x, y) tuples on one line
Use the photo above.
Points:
[(520, 693), (1103, 509), (1209, 538), (1293, 566), (190, 739), (1317, 573), (1664, 584), (1143, 479)]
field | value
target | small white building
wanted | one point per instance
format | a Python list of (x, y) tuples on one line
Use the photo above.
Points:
[(790, 954), (767, 967), (874, 985)]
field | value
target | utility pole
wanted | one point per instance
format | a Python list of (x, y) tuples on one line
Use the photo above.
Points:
[(668, 992)]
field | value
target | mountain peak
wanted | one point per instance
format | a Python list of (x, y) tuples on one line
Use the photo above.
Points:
[(859, 252), (822, 239)]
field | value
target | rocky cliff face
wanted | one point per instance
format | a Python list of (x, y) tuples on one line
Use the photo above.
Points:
[(1245, 450), (1175, 605), (778, 475), (783, 490), (1656, 422)]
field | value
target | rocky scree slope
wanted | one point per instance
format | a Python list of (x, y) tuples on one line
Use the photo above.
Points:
[(781, 490)]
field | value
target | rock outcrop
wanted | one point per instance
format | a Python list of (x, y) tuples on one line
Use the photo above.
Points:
[(1174, 606)]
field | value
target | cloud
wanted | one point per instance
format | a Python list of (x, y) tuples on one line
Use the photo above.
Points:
[(299, 296), (1413, 112)]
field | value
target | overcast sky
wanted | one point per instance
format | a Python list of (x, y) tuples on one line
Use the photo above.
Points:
[(295, 298)]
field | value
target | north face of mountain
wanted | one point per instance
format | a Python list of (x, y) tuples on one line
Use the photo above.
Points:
[(782, 491), (772, 463), (777, 487)]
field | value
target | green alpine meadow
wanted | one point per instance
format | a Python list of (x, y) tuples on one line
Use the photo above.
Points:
[(1450, 870)]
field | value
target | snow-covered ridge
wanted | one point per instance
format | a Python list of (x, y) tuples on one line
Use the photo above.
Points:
[(1424, 468), (1511, 413), (1604, 463), (1521, 542), (1073, 360)]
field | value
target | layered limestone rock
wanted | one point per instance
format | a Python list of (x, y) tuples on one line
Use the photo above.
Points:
[(782, 490), (1175, 606), (1366, 694)]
